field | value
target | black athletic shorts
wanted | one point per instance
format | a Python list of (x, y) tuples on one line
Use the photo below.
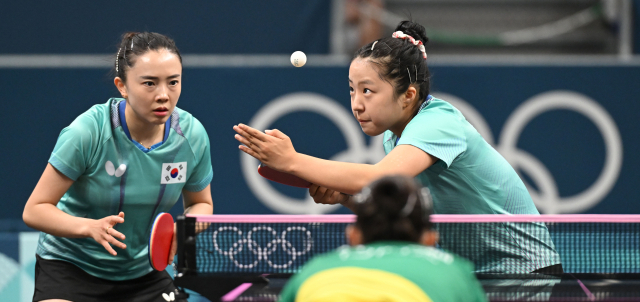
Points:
[(56, 279)]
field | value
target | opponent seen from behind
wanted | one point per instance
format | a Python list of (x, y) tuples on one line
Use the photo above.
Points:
[(391, 257)]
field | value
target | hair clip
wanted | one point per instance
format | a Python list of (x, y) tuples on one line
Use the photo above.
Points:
[(427, 202), (363, 195), (118, 58), (374, 44), (408, 207)]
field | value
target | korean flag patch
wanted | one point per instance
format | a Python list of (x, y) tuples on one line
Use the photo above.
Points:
[(173, 173)]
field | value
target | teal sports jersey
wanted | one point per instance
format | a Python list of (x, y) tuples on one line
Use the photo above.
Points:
[(390, 271), (471, 177), (113, 173)]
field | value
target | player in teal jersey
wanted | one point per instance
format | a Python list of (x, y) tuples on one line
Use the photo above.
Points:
[(133, 155), (391, 257), (425, 138)]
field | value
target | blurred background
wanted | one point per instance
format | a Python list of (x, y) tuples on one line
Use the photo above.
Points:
[(552, 84)]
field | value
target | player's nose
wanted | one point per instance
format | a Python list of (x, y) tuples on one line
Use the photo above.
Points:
[(163, 93), (356, 103)]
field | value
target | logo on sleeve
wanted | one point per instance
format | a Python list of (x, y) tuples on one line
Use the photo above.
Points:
[(173, 173)]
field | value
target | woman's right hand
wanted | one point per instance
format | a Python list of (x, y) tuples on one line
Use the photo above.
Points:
[(41, 213), (102, 231), (273, 148)]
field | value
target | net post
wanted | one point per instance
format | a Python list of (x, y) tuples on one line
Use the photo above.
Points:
[(186, 232)]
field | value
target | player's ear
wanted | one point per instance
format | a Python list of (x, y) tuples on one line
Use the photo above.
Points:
[(354, 235), (121, 87), (408, 97), (429, 238)]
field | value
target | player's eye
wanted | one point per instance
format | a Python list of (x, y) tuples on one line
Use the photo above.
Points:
[(173, 83), (366, 90), (350, 89), (148, 83)]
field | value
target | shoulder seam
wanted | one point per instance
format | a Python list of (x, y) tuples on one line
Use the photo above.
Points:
[(175, 125), (104, 139)]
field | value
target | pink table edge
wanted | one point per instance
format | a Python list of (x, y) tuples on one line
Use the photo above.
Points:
[(232, 295), (436, 218)]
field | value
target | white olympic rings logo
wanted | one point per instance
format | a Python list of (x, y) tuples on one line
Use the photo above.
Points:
[(262, 253), (547, 199)]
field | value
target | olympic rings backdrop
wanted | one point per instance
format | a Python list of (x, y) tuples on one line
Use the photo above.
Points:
[(571, 131)]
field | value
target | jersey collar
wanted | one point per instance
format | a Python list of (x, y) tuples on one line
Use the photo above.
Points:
[(123, 122), (424, 104)]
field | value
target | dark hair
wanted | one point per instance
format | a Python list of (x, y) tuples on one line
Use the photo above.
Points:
[(135, 44), (400, 62), (393, 208)]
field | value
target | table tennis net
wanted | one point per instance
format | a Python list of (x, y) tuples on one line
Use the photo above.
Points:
[(604, 244)]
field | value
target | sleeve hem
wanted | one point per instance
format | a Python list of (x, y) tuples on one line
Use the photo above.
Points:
[(199, 186), (64, 168), (426, 149)]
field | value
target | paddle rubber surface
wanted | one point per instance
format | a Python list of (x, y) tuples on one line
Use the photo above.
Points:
[(282, 177), (160, 240)]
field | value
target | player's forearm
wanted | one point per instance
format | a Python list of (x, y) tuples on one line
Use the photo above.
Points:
[(198, 202), (48, 218), (200, 208), (205, 208), (343, 177)]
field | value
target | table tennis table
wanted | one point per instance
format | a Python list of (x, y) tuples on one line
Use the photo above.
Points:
[(565, 287), (605, 265)]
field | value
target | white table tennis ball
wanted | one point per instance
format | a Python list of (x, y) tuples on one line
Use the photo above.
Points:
[(298, 59)]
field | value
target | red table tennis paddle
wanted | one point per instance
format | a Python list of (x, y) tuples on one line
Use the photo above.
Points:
[(160, 240), (282, 177)]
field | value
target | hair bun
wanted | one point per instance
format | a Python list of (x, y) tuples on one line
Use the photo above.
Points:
[(388, 191), (413, 29), (392, 210)]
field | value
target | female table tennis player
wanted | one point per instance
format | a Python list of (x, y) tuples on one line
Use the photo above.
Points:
[(391, 257), (133, 155), (425, 138)]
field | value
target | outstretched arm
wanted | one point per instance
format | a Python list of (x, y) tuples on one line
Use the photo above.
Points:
[(275, 149), (41, 213)]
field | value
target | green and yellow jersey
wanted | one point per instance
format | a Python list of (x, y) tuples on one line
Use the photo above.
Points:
[(390, 271)]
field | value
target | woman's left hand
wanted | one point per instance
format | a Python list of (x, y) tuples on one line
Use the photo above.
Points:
[(322, 195), (273, 148)]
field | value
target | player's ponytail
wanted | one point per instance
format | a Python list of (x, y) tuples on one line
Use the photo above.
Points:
[(135, 44), (393, 208)]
